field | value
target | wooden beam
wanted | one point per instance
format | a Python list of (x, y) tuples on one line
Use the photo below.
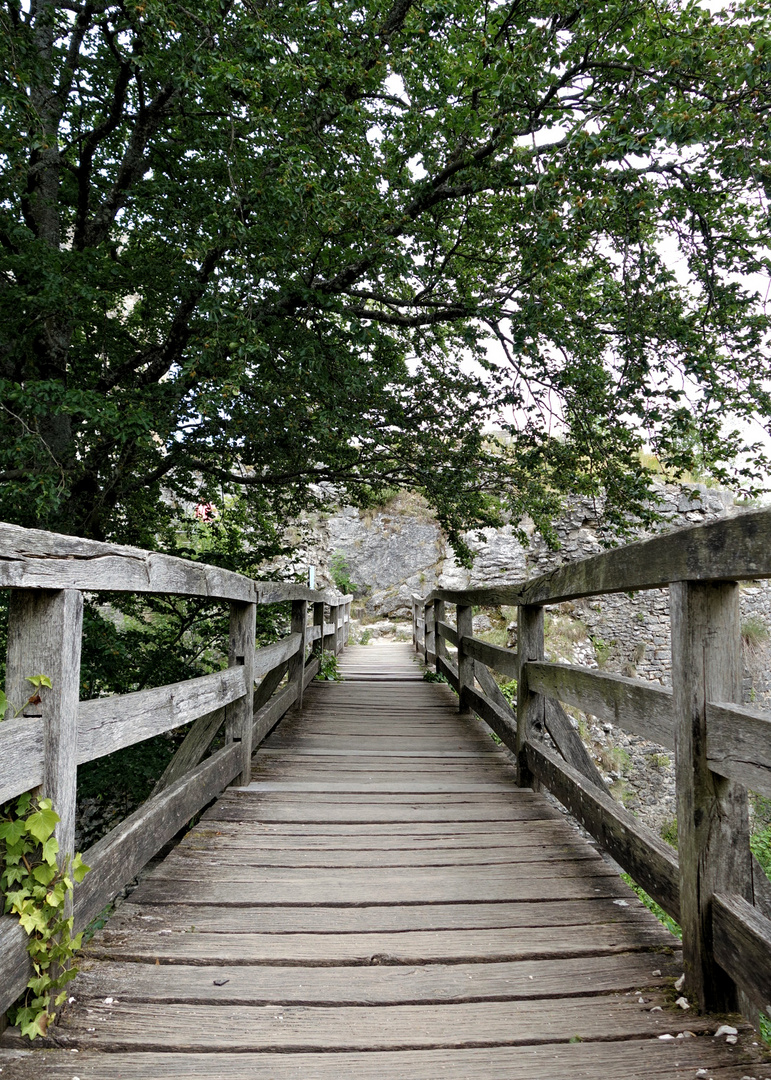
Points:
[(269, 715), (739, 745), (464, 619), (570, 744), (122, 853), (530, 705), (108, 724), (241, 656), (446, 667), (733, 548), (15, 963), (742, 938), (628, 703), (21, 752), (270, 656), (446, 632), (494, 656), (44, 638), (297, 662), (644, 855), (500, 720), (712, 815), (429, 645)]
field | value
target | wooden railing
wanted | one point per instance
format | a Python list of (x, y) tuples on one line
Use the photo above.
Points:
[(712, 885), (41, 749)]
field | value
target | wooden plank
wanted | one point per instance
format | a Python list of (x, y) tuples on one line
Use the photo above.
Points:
[(379, 985), (643, 854), (712, 813), (446, 667), (742, 938), (633, 1059), (297, 662), (312, 666), (271, 656), (494, 656), (530, 705), (628, 703), (630, 922), (108, 724), (446, 632), (286, 885), (376, 949), (465, 619), (119, 855), (44, 637), (735, 548), (266, 718), (241, 657), (570, 744), (495, 716), (14, 961), (739, 744), (126, 1025), (195, 744), (21, 752)]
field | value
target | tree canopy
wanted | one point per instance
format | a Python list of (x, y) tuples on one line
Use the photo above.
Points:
[(257, 245)]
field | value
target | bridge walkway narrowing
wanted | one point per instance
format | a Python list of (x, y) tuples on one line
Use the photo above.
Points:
[(381, 902)]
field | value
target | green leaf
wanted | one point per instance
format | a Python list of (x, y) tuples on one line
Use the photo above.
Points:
[(42, 823)]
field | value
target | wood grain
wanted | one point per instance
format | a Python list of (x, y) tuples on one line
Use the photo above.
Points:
[(628, 703), (110, 723), (21, 752), (739, 744)]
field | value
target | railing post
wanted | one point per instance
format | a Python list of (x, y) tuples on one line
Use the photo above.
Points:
[(440, 612), (429, 652), (297, 662), (414, 624), (318, 620), (465, 624), (238, 715), (530, 706), (44, 638), (347, 623), (712, 815)]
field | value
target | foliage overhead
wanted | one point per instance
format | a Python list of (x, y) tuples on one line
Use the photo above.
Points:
[(250, 245)]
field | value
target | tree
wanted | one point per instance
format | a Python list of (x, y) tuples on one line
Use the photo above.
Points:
[(255, 245)]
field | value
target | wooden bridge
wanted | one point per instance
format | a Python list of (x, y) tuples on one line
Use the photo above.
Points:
[(380, 892)]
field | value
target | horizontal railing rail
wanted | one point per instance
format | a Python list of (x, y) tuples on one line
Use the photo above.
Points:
[(712, 885), (42, 748)]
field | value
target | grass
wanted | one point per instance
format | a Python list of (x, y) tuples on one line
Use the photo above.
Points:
[(651, 905)]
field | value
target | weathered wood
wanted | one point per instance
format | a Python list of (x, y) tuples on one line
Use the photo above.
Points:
[(15, 963), (530, 705), (241, 657), (266, 718), (586, 976), (494, 692), (445, 632), (739, 745), (761, 889), (110, 723), (125, 1025), (628, 703), (429, 653), (632, 1059), (119, 855), (44, 638), (195, 744), (735, 548), (21, 752), (465, 618), (311, 670), (440, 645), (499, 719), (297, 661), (270, 656), (316, 634), (446, 667), (643, 854), (742, 944), (570, 744), (494, 656), (712, 814)]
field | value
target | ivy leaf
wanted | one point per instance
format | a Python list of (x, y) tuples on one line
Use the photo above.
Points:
[(42, 823), (79, 868), (12, 831)]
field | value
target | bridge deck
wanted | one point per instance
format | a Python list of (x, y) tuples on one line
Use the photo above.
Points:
[(381, 902)]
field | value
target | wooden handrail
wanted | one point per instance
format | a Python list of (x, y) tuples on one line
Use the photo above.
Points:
[(47, 574), (715, 887)]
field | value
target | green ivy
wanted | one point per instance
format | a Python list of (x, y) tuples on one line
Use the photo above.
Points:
[(37, 889), (329, 670)]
